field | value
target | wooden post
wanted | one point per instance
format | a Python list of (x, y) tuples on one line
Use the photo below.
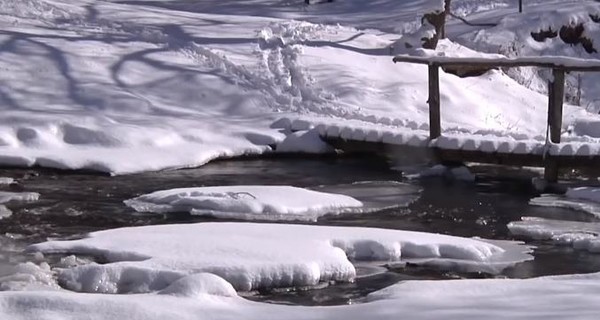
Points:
[(556, 91), (520, 6), (435, 128)]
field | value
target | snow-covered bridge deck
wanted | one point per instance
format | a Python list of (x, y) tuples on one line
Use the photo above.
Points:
[(451, 147)]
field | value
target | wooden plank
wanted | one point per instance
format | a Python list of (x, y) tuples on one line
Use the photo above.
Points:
[(457, 155), (565, 63), (435, 127)]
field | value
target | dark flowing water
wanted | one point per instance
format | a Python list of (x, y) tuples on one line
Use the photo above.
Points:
[(73, 203)]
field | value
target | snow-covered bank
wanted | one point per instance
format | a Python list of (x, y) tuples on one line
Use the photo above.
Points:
[(133, 86), (247, 202), (205, 296), (567, 28), (579, 235), (251, 256)]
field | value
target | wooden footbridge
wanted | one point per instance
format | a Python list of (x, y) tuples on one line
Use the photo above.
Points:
[(549, 154)]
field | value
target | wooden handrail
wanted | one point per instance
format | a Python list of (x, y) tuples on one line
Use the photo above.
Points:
[(552, 62)]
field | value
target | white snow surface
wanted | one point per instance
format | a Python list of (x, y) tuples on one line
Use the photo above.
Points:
[(247, 202), (512, 37), (308, 141), (579, 235), (205, 296), (250, 255), (130, 86)]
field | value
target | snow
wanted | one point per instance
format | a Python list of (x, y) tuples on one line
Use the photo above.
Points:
[(247, 202), (205, 296), (579, 235), (4, 212), (513, 38), (6, 196), (251, 256), (5, 180), (430, 57), (586, 199), (124, 87), (304, 141), (131, 86)]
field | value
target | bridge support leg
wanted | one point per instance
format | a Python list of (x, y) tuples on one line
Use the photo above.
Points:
[(435, 128), (556, 91)]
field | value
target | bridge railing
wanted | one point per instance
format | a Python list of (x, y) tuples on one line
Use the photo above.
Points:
[(556, 87)]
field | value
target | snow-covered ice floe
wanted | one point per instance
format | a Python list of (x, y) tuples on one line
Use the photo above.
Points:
[(247, 202), (586, 199), (579, 235), (206, 296), (6, 196), (251, 256)]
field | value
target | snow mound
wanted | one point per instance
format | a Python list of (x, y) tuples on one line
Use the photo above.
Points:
[(28, 276), (199, 284), (579, 235), (246, 202), (251, 256)]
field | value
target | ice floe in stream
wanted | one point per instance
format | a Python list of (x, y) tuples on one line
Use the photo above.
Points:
[(251, 256), (6, 196), (579, 235), (247, 202), (586, 199), (279, 202)]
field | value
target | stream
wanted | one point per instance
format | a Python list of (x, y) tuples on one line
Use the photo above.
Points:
[(74, 203)]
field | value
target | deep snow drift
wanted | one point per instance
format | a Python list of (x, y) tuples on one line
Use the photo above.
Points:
[(247, 202), (251, 256)]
